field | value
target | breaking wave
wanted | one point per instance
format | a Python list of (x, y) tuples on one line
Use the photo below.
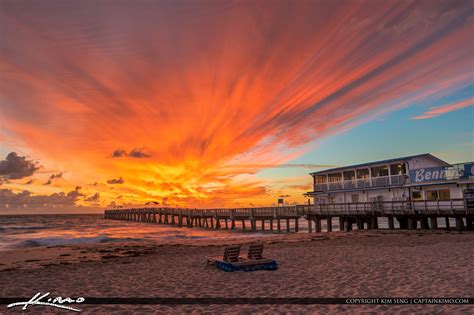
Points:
[(56, 241)]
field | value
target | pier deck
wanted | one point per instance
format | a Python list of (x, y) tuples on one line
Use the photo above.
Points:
[(362, 214)]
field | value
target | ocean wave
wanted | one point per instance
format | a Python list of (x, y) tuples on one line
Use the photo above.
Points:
[(174, 237), (24, 227), (56, 241)]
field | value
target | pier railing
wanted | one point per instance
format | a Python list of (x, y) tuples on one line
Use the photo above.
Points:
[(408, 213), (393, 208), (383, 208)]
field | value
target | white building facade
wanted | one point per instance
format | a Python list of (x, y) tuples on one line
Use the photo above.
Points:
[(423, 179)]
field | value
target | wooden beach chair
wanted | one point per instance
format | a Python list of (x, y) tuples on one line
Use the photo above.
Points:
[(231, 255), (231, 261), (255, 251)]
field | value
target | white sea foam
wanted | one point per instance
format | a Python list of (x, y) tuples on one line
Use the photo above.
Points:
[(56, 241)]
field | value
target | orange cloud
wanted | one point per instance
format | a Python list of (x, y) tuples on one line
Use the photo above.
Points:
[(440, 110), (214, 91)]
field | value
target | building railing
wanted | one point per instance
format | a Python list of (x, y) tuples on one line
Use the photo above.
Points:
[(381, 181), (390, 208)]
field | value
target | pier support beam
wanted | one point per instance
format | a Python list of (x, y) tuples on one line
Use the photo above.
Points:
[(469, 225), (360, 223), (287, 225), (403, 222), (329, 224), (243, 225), (348, 224), (310, 227), (341, 223), (459, 224), (434, 223), (424, 223), (297, 224), (446, 222), (375, 223), (263, 225), (271, 225), (232, 224), (278, 225), (391, 223), (412, 223), (317, 223)]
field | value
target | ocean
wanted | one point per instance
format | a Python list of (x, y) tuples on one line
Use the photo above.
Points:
[(23, 231)]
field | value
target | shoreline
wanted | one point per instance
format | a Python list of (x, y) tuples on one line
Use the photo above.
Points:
[(46, 256), (338, 264)]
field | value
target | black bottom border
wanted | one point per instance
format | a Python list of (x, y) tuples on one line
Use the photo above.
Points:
[(258, 301)]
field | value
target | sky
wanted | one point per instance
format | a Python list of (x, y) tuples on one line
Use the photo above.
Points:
[(222, 103)]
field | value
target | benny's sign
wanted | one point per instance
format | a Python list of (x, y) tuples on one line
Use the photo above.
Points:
[(429, 174)]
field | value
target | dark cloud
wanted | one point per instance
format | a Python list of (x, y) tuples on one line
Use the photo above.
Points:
[(94, 198), (16, 167), (134, 153), (48, 182), (59, 175), (24, 199), (138, 153), (119, 153), (29, 182), (119, 180), (152, 203)]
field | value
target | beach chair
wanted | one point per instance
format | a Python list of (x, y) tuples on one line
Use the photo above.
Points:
[(255, 251), (231, 261), (231, 254)]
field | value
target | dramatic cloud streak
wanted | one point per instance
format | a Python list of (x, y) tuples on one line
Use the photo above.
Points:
[(440, 110), (208, 85)]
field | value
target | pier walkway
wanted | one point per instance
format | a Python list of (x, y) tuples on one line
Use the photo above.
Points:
[(361, 215)]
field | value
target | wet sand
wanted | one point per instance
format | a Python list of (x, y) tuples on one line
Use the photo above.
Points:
[(357, 264)]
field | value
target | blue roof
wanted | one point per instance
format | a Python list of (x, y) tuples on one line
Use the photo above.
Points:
[(379, 162)]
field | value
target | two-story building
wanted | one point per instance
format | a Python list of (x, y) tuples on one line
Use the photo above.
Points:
[(423, 178)]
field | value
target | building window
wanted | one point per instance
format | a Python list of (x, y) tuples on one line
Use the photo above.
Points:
[(363, 173), (320, 179), (398, 169), (432, 195), (379, 171), (416, 195), (444, 195), (349, 175), (355, 198), (335, 177)]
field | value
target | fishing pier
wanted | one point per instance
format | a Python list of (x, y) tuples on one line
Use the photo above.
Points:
[(347, 216)]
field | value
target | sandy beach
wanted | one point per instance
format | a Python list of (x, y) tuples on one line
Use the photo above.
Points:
[(357, 264)]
